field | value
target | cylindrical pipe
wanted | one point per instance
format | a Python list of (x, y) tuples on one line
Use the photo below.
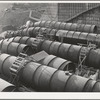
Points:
[(77, 37), (68, 26), (58, 63), (45, 78), (31, 32), (63, 48), (14, 48), (71, 52), (75, 83), (22, 40), (6, 87), (72, 37)]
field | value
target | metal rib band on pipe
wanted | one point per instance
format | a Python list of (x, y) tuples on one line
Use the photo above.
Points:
[(68, 26), (68, 51), (46, 78)]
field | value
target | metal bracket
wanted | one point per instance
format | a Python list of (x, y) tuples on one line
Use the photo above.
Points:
[(16, 68)]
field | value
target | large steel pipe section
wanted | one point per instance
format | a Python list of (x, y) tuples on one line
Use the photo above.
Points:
[(22, 40), (45, 78), (68, 51), (67, 26), (70, 37), (6, 87), (14, 48), (71, 52), (77, 37), (58, 63), (31, 32)]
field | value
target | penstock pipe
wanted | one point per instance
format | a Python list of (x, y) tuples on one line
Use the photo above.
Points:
[(45, 78)]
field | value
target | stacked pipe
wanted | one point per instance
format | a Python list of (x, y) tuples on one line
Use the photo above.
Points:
[(45, 78), (70, 52), (32, 32), (50, 60), (68, 37), (71, 37), (67, 51), (67, 26), (14, 48)]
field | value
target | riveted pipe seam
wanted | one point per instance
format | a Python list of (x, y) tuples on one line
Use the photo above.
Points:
[(23, 41), (8, 46), (18, 40), (88, 87), (75, 86), (96, 89), (1, 44), (51, 60), (94, 86), (40, 74), (85, 85), (67, 82), (3, 65), (67, 64), (58, 65), (34, 76), (51, 79)]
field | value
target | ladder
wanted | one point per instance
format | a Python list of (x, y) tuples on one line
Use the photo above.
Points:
[(83, 55)]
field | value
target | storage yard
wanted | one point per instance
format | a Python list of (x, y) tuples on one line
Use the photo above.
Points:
[(52, 55)]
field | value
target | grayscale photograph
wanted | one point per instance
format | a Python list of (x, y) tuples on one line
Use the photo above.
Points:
[(50, 47)]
